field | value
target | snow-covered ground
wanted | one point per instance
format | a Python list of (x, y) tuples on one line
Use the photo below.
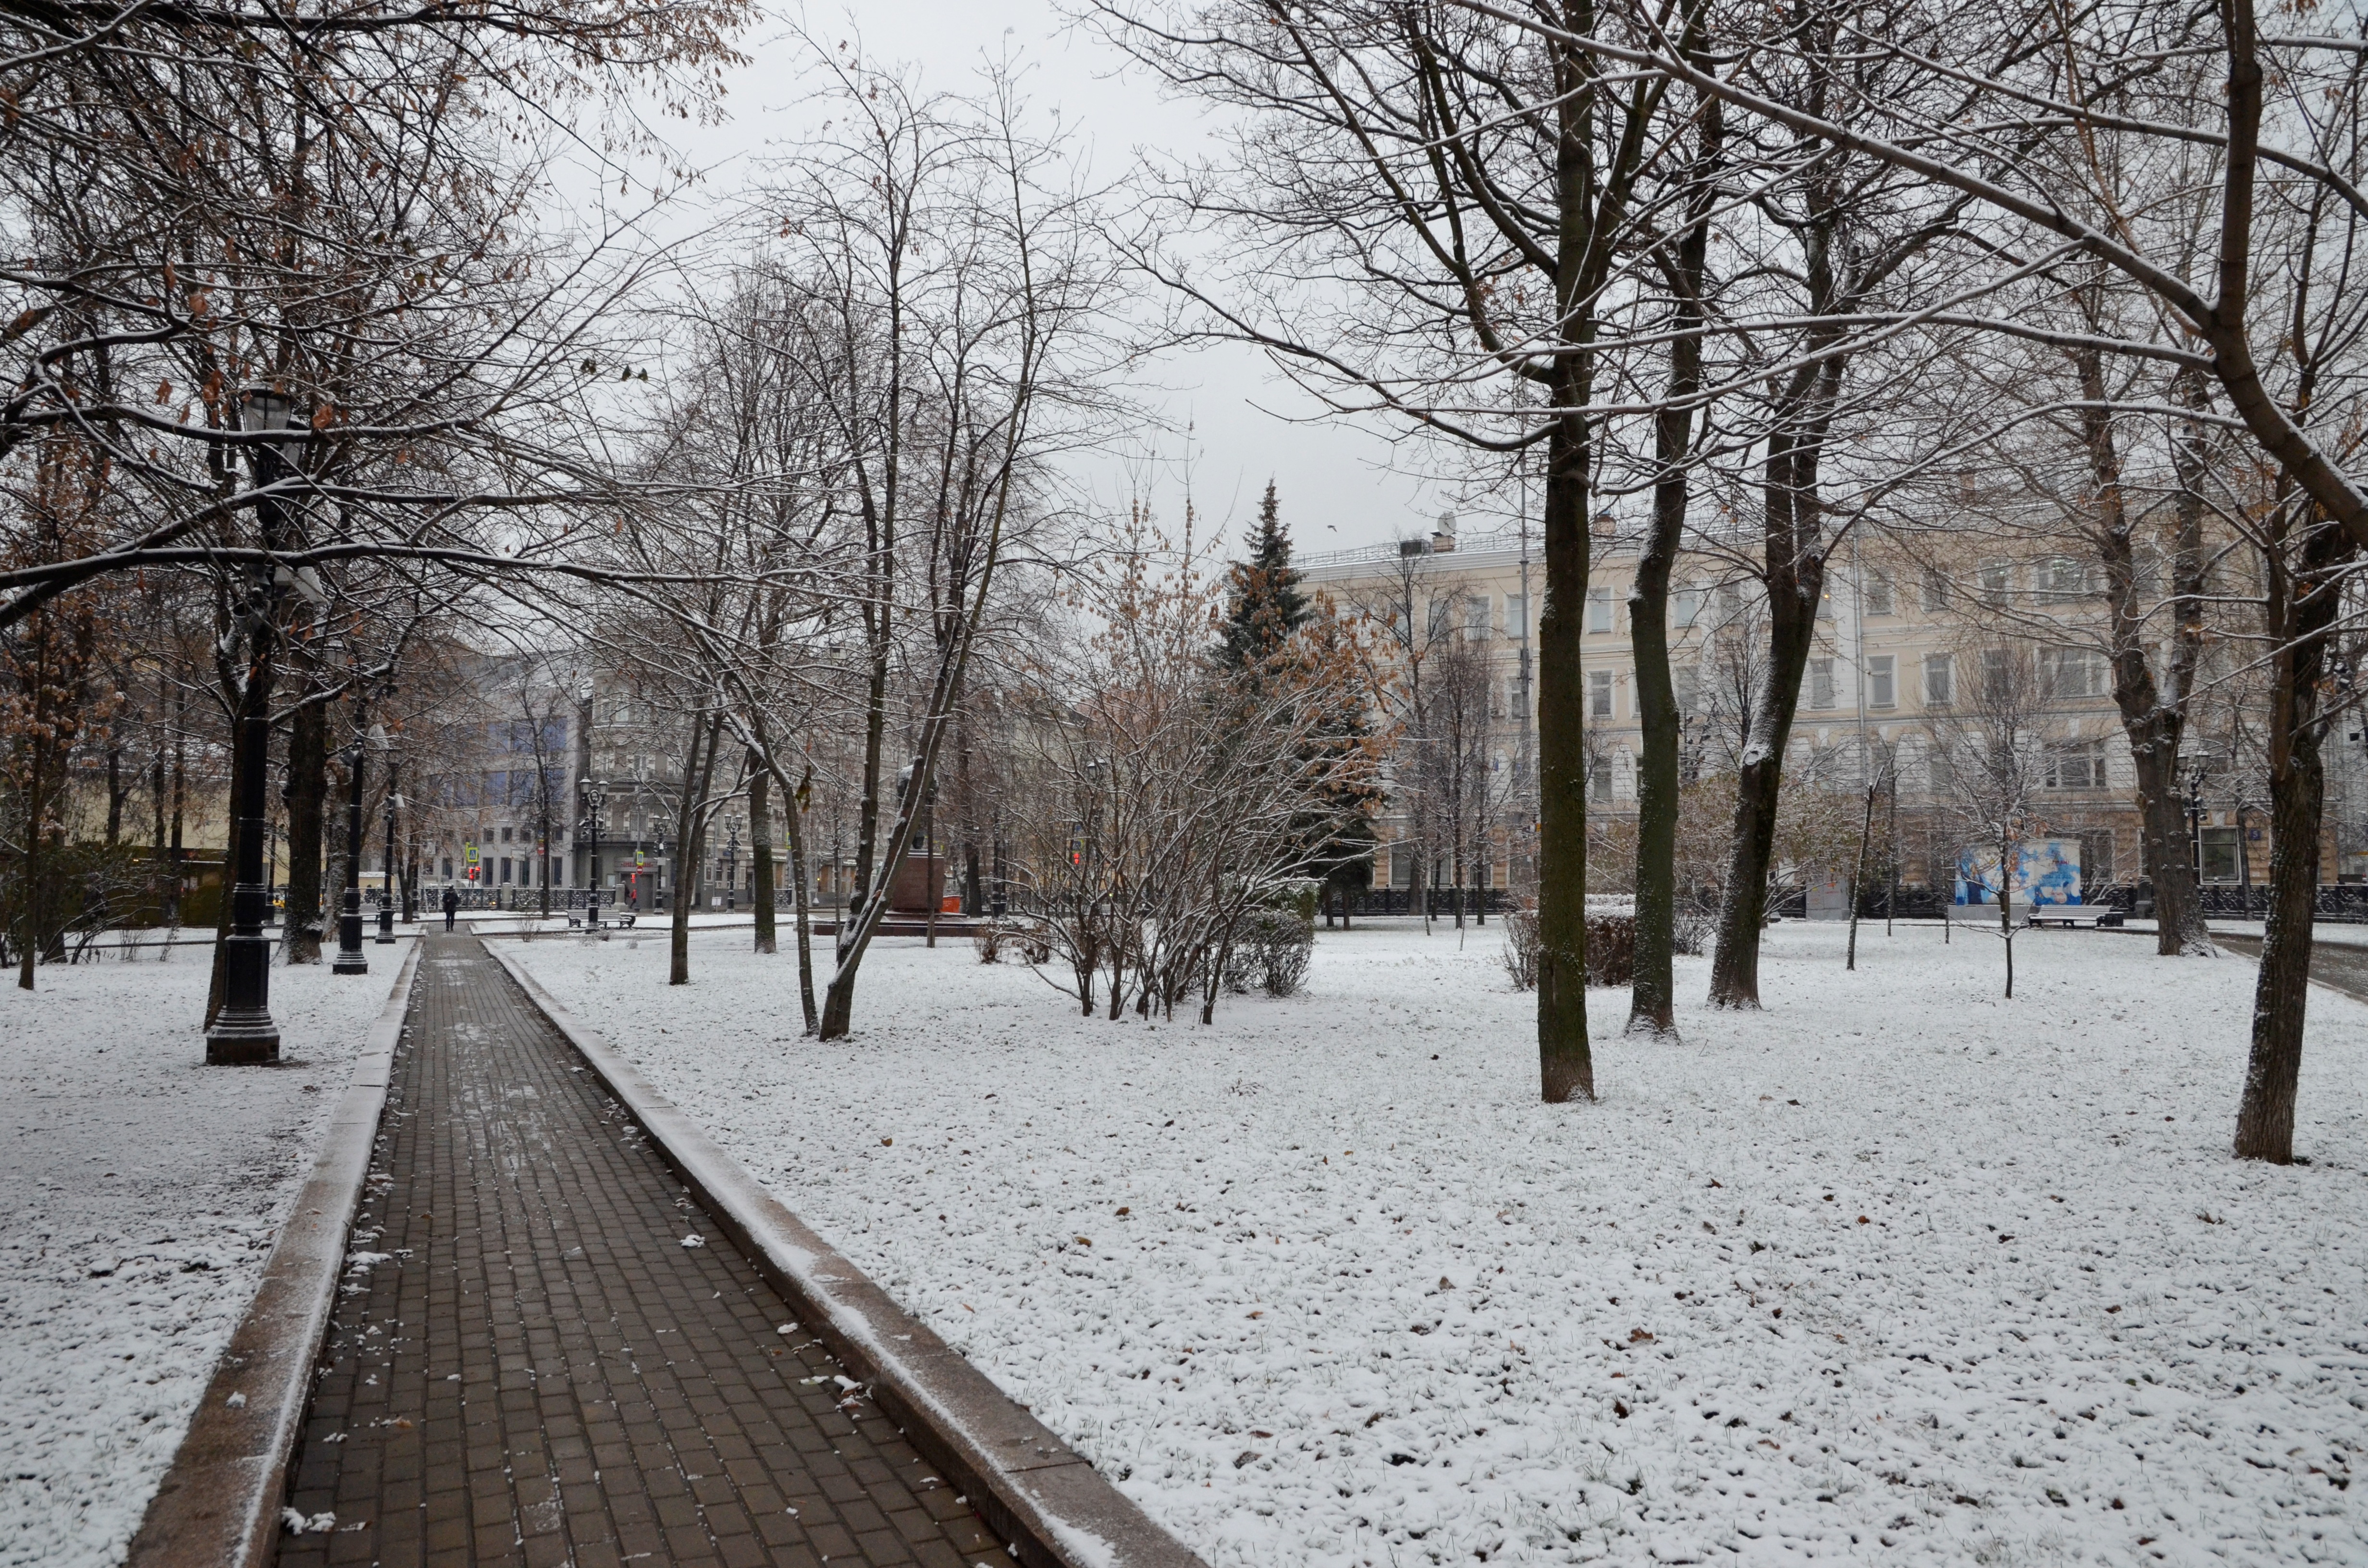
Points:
[(1893, 1270), (139, 1193)]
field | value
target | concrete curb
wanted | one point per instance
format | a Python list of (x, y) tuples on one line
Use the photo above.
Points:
[(219, 1504), (1043, 1497)]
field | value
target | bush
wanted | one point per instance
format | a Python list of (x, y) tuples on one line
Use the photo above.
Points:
[(1522, 948), (988, 939), (1270, 952), (1611, 950), (1692, 931), (1035, 944)]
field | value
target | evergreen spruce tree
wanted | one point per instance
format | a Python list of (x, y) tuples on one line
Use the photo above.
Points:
[(1265, 605), (1265, 609)]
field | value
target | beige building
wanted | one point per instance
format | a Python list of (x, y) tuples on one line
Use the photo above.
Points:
[(1900, 653)]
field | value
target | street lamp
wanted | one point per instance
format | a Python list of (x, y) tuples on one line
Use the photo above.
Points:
[(351, 957), (596, 796), (732, 866), (244, 1030)]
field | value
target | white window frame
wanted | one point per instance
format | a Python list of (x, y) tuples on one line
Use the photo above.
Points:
[(1881, 681)]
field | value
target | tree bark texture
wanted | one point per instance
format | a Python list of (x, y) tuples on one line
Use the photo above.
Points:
[(1795, 575), (760, 852), (2305, 608), (1566, 1065), (690, 847), (306, 796), (1652, 997)]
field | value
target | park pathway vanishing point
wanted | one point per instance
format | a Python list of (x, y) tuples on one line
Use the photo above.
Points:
[(530, 1364)]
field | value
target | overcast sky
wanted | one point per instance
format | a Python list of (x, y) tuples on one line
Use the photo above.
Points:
[(1334, 482)]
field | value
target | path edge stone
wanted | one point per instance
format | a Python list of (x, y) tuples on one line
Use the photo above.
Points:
[(219, 1504), (1036, 1492)]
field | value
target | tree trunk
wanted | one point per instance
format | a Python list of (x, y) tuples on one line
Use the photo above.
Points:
[(760, 851), (1565, 1065), (2162, 820), (2152, 723), (802, 886), (175, 862), (2009, 858), (2265, 1117), (117, 792), (1796, 571), (1653, 995), (2304, 611), (29, 938), (690, 840), (1858, 874), (306, 795)]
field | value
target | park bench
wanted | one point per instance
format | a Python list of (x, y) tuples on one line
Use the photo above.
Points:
[(577, 921), (2072, 916)]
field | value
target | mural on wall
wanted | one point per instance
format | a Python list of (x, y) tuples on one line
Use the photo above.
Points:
[(2045, 870)]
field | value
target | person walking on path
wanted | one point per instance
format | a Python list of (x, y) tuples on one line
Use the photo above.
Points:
[(451, 904)]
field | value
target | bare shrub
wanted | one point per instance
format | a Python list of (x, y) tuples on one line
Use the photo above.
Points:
[(1270, 953), (1522, 948), (989, 940)]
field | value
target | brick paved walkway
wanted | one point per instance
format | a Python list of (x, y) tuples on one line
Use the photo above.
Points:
[(540, 1373)]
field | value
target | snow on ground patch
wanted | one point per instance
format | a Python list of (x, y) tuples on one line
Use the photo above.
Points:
[(1894, 1268), (139, 1193)]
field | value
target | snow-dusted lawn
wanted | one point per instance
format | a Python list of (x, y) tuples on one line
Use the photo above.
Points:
[(139, 1193), (1895, 1270)]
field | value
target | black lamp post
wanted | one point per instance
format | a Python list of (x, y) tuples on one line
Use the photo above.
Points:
[(732, 868), (595, 797), (351, 957), (386, 889), (244, 1030)]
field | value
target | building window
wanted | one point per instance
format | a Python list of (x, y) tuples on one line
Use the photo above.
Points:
[(1939, 680), (1599, 610), (1997, 582), (1880, 692), (448, 868), (1878, 593), (1730, 600), (1936, 590), (1599, 694), (1517, 615), (1599, 782), (2078, 765), (506, 868), (1997, 677), (2220, 855), (2062, 580), (1687, 608), (1685, 682), (1821, 683), (1941, 776), (2071, 672), (1475, 618)]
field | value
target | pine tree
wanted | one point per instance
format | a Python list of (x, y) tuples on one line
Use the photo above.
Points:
[(1265, 609), (1265, 606)]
